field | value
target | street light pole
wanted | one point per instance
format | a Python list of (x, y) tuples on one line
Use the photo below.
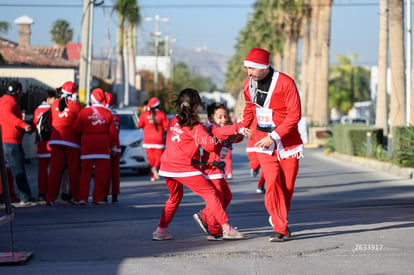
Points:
[(157, 34)]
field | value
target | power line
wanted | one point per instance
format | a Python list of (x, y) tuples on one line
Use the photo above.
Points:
[(172, 6)]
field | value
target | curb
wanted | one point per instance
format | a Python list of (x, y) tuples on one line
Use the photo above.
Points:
[(404, 172)]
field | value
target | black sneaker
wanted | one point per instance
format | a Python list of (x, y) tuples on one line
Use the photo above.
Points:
[(115, 199), (278, 237), (198, 218)]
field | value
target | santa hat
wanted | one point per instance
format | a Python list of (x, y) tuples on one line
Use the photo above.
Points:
[(109, 99), (98, 96), (257, 58), (68, 88), (153, 103)]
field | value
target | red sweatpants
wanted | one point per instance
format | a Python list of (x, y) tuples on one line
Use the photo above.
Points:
[(280, 176), (42, 174), (200, 186), (224, 194), (253, 160), (261, 180), (113, 184), (60, 154), (100, 179), (154, 157)]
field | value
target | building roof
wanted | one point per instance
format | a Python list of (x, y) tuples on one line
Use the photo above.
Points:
[(14, 55)]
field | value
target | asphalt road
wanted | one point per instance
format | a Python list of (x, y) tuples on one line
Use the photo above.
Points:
[(345, 219)]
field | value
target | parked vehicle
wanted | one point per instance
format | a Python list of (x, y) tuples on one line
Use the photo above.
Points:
[(131, 137)]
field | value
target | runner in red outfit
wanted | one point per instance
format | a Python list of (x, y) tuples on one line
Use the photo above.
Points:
[(214, 166), (154, 122), (272, 100), (185, 135)]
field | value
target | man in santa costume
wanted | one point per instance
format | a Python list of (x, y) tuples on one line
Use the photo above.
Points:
[(98, 138), (64, 143), (273, 103)]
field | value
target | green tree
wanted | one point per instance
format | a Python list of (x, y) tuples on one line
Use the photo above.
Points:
[(61, 32), (348, 84)]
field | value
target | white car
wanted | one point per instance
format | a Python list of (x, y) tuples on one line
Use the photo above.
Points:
[(131, 137)]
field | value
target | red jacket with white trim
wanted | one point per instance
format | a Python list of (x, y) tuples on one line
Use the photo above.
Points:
[(284, 102), (153, 137), (63, 133), (182, 145), (98, 134), (11, 122)]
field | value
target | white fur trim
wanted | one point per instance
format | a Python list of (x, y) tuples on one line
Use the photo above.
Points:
[(250, 64)]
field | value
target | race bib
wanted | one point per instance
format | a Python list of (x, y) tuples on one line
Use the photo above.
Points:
[(223, 153), (264, 117)]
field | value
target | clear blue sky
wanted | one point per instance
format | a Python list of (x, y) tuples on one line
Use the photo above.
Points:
[(215, 25)]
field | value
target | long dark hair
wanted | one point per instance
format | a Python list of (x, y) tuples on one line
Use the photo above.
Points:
[(186, 103), (154, 118)]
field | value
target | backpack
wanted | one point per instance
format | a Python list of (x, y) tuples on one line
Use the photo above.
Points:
[(43, 128)]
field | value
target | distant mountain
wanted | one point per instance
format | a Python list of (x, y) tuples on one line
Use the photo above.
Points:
[(204, 62)]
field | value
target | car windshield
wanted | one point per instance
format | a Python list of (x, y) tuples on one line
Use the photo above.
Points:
[(129, 121)]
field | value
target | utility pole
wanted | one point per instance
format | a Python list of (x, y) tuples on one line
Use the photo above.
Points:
[(86, 50), (157, 35), (408, 60)]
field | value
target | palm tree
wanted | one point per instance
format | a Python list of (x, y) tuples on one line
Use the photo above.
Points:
[(324, 28), (398, 96), (133, 18), (381, 113), (121, 7), (305, 39), (61, 32)]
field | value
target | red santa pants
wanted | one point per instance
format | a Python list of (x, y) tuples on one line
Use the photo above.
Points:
[(253, 160), (100, 179), (154, 158), (229, 164), (42, 174), (280, 176), (224, 194), (59, 154), (199, 185), (113, 185)]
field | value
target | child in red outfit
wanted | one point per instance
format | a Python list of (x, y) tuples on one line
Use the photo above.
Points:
[(180, 165), (154, 122), (214, 167)]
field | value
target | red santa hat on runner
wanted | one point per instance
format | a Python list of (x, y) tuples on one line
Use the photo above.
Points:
[(68, 88), (257, 58), (98, 96), (109, 100), (153, 103)]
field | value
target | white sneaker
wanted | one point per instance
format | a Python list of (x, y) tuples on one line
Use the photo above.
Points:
[(229, 176), (233, 234), (156, 236)]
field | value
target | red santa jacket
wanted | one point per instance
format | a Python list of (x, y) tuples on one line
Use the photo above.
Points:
[(153, 137), (63, 133), (11, 122), (182, 145), (98, 134), (212, 161), (281, 112), (43, 148)]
